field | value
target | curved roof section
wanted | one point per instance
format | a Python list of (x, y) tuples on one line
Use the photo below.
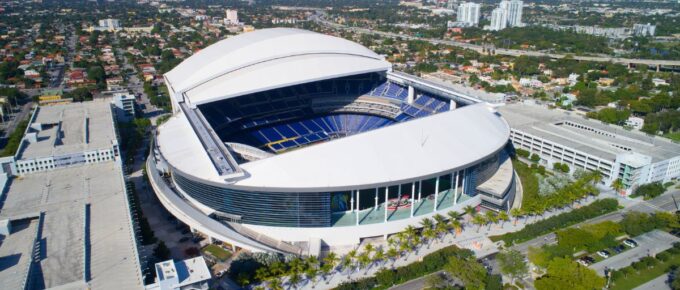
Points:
[(237, 65), (420, 148)]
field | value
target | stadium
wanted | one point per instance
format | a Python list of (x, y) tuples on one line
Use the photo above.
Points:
[(290, 141)]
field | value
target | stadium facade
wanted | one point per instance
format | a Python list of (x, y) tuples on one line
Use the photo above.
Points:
[(287, 140)]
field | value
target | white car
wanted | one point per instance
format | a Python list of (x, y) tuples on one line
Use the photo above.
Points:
[(630, 242), (603, 254)]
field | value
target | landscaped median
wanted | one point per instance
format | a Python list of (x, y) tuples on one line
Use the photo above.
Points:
[(551, 224), (457, 258)]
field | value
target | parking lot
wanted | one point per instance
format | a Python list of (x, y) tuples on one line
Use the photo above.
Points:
[(649, 244)]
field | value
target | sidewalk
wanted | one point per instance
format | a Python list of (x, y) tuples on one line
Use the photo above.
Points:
[(471, 238)]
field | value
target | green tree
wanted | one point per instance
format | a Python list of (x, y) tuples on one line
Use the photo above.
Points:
[(617, 185), (513, 264), (516, 213), (479, 220), (470, 272), (564, 273), (503, 217)]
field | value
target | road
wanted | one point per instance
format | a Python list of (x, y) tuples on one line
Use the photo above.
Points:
[(664, 202), (24, 112), (650, 244), (318, 17), (659, 283)]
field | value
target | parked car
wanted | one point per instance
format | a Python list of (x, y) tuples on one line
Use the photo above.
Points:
[(589, 259), (630, 242), (603, 254), (583, 262), (618, 249)]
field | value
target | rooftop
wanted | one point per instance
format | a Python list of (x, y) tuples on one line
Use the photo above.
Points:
[(588, 136), (418, 148), (70, 128), (238, 65), (62, 195), (174, 275), (15, 253)]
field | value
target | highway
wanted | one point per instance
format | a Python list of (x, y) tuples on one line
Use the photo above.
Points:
[(318, 17)]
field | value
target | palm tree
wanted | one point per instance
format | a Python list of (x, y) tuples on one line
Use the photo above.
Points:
[(617, 185), (516, 213), (503, 217), (294, 278), (491, 217), (379, 256), (409, 232), (325, 269), (429, 234), (262, 274), (332, 260), (441, 229), (479, 220), (347, 263), (352, 254), (275, 284), (457, 226), (368, 248), (392, 254), (364, 259), (470, 210), (426, 223), (311, 272), (453, 215), (439, 218)]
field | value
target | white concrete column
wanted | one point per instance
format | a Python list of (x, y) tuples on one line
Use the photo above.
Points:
[(462, 190), (420, 189), (455, 191), (358, 199), (376, 198), (452, 105), (413, 194), (351, 201), (436, 193), (387, 195), (411, 95)]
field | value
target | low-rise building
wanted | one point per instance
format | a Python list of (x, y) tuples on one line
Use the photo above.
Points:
[(561, 136), (189, 274)]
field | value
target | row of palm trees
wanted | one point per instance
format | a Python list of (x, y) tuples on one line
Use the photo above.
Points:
[(401, 244), (411, 240)]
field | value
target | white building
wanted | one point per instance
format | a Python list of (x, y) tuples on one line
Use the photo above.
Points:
[(514, 11), (499, 19), (635, 122), (67, 135), (109, 24), (273, 192), (560, 136), (189, 274), (125, 106), (468, 13), (231, 17), (644, 29)]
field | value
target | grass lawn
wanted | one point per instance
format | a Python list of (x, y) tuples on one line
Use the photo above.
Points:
[(529, 181), (673, 136), (646, 275), (217, 251)]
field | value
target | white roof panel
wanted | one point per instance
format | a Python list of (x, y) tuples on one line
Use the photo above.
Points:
[(261, 49), (278, 73), (401, 152)]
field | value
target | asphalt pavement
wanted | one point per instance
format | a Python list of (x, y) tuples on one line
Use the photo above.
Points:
[(649, 244)]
